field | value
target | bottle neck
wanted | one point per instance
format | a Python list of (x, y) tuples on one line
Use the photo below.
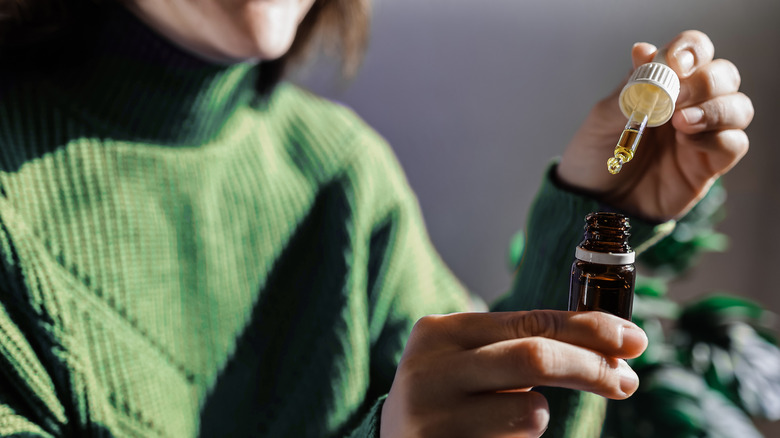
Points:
[(606, 233)]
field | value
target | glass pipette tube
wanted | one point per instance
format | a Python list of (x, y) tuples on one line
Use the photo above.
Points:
[(635, 127)]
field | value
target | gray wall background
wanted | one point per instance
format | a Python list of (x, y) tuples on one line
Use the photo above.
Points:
[(477, 96)]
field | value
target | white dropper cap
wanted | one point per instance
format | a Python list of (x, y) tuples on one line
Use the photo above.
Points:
[(659, 75)]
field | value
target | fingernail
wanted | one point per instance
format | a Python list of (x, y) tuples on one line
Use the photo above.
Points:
[(685, 61), (633, 336), (693, 115), (629, 381)]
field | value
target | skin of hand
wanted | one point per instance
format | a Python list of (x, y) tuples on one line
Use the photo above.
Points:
[(675, 163), (470, 374)]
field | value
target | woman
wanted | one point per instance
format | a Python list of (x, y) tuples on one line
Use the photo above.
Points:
[(191, 247)]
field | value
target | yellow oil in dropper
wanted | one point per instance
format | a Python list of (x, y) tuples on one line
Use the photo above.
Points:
[(647, 100), (635, 127)]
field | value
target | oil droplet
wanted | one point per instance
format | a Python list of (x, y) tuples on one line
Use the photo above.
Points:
[(614, 165)]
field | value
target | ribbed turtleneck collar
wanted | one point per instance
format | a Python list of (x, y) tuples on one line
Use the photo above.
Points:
[(133, 84)]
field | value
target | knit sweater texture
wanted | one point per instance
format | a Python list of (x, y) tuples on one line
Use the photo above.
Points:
[(181, 257)]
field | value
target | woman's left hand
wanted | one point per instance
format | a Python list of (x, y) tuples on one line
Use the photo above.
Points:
[(677, 162)]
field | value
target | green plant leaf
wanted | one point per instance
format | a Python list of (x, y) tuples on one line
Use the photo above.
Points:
[(673, 402), (757, 371), (708, 319), (650, 286), (693, 235)]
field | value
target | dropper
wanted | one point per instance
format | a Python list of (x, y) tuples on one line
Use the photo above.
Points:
[(647, 100)]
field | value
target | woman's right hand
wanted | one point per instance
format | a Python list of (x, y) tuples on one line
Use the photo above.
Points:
[(470, 374)]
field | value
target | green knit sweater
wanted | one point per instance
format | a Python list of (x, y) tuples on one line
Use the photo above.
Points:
[(182, 258)]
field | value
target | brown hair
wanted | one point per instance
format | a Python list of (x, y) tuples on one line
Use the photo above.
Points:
[(339, 26)]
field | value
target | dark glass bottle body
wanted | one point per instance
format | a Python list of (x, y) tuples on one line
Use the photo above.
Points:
[(603, 273)]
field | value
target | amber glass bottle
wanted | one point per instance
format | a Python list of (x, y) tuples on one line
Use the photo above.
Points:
[(603, 274)]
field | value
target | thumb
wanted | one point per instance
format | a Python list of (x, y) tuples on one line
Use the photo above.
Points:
[(642, 53)]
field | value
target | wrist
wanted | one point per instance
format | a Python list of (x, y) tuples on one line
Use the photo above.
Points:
[(600, 197), (560, 181)]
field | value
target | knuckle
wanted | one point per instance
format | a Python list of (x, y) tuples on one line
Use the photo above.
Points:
[(717, 112), (704, 84), (729, 146), (749, 112), (744, 144), (697, 42), (429, 323), (422, 324), (710, 82), (538, 323), (420, 380), (737, 144), (733, 72), (693, 35), (426, 330), (721, 77), (601, 326), (416, 370), (538, 357), (725, 75), (700, 41)]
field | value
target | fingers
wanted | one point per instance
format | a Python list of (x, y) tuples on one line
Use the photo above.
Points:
[(538, 361), (723, 149), (709, 99), (598, 331), (711, 112), (516, 350), (472, 371), (733, 111), (718, 78), (501, 415), (509, 414)]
